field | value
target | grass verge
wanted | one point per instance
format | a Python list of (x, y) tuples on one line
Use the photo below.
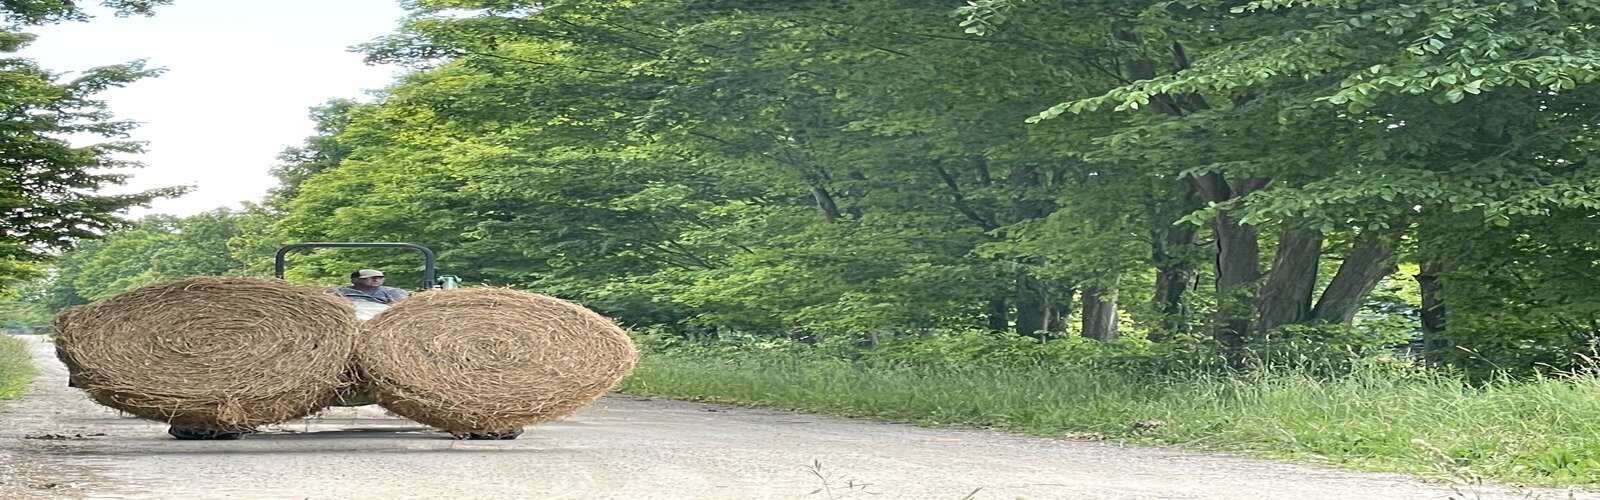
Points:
[(16, 367), (1534, 432)]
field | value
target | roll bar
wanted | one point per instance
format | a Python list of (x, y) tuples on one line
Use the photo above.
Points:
[(428, 259)]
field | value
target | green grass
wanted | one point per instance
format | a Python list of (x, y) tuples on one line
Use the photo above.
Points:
[(15, 367), (1536, 432)]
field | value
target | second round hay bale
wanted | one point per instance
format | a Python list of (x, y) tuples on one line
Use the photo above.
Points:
[(221, 353), (478, 360)]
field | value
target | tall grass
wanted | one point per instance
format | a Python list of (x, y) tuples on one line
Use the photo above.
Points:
[(15, 366), (1541, 431)]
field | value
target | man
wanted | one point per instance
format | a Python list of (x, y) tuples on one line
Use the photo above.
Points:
[(367, 285)]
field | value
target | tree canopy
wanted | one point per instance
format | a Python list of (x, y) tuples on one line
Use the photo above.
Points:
[(51, 187), (1198, 172)]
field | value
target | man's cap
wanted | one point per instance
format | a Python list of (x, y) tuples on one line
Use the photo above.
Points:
[(368, 273)]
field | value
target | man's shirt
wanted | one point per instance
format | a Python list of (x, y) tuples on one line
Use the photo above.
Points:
[(381, 295)]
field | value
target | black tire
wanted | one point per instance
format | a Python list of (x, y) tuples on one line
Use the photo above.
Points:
[(506, 434), (195, 433)]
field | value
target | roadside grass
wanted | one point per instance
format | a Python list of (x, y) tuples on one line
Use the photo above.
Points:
[(1534, 432), (15, 367)]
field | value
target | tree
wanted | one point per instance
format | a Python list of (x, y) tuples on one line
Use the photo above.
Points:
[(154, 248), (49, 188), (37, 12), (818, 169), (1335, 126), (320, 151), (766, 113)]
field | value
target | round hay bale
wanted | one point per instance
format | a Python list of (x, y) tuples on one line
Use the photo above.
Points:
[(478, 360), (74, 373), (221, 353)]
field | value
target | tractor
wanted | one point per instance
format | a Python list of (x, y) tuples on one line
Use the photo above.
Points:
[(364, 310)]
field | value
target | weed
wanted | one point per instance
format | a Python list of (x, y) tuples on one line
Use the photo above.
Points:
[(836, 486)]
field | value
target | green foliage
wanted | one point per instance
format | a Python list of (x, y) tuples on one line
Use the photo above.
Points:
[(979, 349), (1549, 264), (1382, 91), (779, 168), (320, 152), (48, 185), (46, 191), (155, 248), (855, 173), (36, 12), (1326, 352), (16, 367), (25, 312)]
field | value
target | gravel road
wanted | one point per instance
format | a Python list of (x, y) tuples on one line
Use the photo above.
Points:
[(55, 443)]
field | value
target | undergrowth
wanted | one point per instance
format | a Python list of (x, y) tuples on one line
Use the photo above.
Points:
[(15, 366), (1368, 412)]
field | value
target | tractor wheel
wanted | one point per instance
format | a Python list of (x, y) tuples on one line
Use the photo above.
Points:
[(506, 434), (195, 433)]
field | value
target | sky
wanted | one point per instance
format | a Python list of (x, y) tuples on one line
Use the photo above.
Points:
[(241, 78)]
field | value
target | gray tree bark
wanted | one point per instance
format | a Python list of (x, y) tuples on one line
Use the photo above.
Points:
[(1285, 296), (1099, 314), (1238, 256), (1033, 308), (825, 203), (1433, 311), (1372, 258), (1175, 271), (998, 313)]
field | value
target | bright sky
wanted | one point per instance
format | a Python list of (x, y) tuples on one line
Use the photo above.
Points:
[(241, 78)]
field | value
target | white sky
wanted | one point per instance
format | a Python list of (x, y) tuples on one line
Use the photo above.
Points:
[(241, 77)]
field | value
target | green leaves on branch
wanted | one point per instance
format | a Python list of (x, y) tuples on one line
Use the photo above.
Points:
[(982, 16)]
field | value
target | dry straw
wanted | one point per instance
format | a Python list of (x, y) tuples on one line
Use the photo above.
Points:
[(478, 360), (222, 353)]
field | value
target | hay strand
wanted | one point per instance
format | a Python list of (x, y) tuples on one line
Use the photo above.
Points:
[(477, 360), (221, 353)]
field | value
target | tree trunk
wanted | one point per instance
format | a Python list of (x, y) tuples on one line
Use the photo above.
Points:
[(1033, 308), (1173, 281), (1143, 69), (1433, 311), (981, 165), (825, 203), (1173, 276), (1369, 262), (854, 190), (871, 341), (1170, 241), (1238, 256), (1033, 303), (998, 312), (1099, 314), (1237, 265), (1238, 249), (1285, 297), (1057, 322), (804, 336), (1023, 206)]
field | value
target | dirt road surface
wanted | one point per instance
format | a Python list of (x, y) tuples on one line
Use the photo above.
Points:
[(55, 443)]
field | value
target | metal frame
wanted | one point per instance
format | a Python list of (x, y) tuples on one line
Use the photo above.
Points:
[(278, 260)]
